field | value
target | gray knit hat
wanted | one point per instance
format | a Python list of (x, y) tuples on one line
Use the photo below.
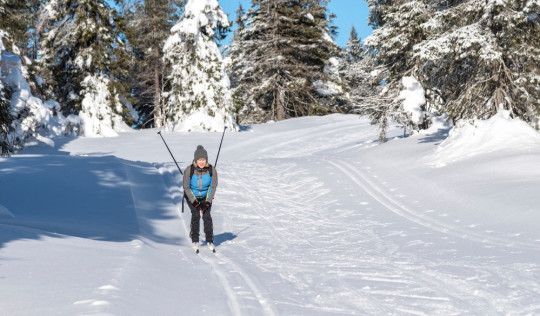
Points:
[(200, 153)]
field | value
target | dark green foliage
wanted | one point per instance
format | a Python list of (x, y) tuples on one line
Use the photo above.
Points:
[(5, 124), (150, 22), (278, 56), (473, 57), (84, 38)]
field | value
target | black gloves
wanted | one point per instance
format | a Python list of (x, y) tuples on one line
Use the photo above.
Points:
[(203, 207), (206, 206)]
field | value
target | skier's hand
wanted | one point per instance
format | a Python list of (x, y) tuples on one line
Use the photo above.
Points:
[(197, 205), (206, 206)]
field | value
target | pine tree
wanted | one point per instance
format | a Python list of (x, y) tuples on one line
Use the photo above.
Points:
[(15, 19), (5, 114), (237, 61), (286, 46), (150, 24), (357, 68), (354, 49), (473, 57), (199, 90), (83, 52), (8, 21)]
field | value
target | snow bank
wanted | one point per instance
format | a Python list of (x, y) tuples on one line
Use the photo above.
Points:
[(499, 133)]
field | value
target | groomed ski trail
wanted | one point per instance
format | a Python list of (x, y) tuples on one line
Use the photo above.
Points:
[(240, 289)]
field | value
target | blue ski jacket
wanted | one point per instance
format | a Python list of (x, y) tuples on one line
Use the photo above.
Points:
[(202, 185)]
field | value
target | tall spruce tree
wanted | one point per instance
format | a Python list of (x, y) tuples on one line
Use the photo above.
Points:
[(149, 26), (9, 21), (85, 61), (199, 96), (473, 57), (285, 48), (357, 69), (5, 108), (237, 61), (5, 122)]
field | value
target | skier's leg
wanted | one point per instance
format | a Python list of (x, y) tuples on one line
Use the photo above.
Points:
[(195, 223), (208, 226)]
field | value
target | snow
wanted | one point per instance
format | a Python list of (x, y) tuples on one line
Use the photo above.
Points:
[(311, 216), (413, 97), (470, 40), (200, 87), (498, 134), (96, 116), (193, 22), (38, 120)]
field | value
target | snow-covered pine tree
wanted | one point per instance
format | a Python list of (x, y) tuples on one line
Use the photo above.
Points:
[(354, 49), (5, 114), (356, 70), (237, 61), (473, 57), (199, 96), (286, 46), (85, 61), (149, 24)]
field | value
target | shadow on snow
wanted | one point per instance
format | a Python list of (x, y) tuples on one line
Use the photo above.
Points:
[(90, 197)]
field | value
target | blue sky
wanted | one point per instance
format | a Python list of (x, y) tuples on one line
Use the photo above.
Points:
[(349, 13)]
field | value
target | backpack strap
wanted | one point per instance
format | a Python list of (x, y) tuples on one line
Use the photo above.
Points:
[(192, 170)]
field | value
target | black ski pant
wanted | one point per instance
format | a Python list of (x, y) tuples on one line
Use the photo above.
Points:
[(196, 223)]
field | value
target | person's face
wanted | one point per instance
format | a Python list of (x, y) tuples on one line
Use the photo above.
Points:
[(201, 162)]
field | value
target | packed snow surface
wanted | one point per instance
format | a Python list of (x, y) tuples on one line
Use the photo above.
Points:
[(311, 217)]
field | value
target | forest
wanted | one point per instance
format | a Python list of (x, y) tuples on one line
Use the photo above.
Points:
[(98, 67)]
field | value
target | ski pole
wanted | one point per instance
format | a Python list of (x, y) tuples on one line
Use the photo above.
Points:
[(220, 146), (170, 153), (184, 196)]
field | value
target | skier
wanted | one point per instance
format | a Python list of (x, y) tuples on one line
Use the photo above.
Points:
[(200, 182)]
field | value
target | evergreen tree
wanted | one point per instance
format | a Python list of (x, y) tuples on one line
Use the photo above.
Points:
[(286, 46), (15, 19), (84, 57), (150, 25), (8, 21), (199, 97), (357, 68), (19, 18), (5, 114), (354, 49), (5, 123), (473, 57), (237, 61)]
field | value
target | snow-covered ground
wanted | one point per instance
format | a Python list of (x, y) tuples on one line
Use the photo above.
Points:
[(312, 217)]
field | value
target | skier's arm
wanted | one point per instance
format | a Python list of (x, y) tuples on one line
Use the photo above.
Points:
[(187, 190), (214, 185)]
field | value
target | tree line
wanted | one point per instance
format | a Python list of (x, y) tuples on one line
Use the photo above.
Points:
[(472, 57)]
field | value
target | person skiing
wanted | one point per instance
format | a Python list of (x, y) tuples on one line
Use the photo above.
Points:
[(200, 182)]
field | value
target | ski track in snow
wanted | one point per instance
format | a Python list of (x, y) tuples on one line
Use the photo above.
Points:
[(392, 204), (302, 233), (238, 286)]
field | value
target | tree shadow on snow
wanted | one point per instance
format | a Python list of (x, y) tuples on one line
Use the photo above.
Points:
[(92, 197), (435, 138)]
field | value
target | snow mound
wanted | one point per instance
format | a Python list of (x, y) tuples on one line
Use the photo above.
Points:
[(499, 133), (201, 122)]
